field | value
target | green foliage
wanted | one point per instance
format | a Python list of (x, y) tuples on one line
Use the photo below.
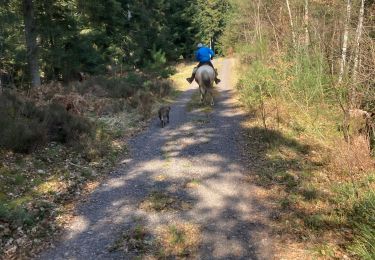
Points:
[(314, 221), (310, 82), (16, 216), (77, 35), (157, 65), (21, 136), (260, 81), (210, 18), (301, 77), (26, 217), (12, 47), (363, 217), (20, 121)]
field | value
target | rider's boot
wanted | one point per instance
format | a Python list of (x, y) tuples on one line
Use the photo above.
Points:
[(217, 81), (190, 80)]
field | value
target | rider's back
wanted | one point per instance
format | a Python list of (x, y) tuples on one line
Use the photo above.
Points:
[(204, 54)]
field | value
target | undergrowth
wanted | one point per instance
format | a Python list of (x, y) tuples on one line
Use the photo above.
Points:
[(324, 186)]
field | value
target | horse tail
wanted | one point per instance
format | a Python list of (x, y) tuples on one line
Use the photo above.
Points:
[(206, 79)]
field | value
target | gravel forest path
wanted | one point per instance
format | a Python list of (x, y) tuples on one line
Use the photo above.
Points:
[(197, 160)]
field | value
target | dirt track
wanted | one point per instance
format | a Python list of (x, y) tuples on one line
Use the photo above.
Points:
[(197, 159)]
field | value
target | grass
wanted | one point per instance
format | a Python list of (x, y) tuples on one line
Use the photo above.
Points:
[(162, 201), (193, 183), (138, 239), (171, 241), (320, 200), (324, 251), (201, 120), (310, 193), (158, 201), (179, 240), (183, 71), (363, 217)]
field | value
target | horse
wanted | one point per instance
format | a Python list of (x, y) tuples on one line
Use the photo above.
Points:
[(205, 76)]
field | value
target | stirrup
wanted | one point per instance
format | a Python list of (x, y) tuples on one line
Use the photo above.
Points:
[(190, 80)]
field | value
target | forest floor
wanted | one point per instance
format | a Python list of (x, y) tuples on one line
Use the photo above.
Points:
[(41, 186)]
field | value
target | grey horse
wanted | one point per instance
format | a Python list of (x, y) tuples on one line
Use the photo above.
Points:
[(205, 76)]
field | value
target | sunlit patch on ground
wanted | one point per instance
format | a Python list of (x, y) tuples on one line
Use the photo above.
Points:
[(161, 177), (51, 186), (193, 183), (183, 71), (195, 104), (162, 201)]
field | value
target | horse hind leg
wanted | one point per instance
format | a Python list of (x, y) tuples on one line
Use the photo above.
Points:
[(202, 94), (212, 98), (204, 98)]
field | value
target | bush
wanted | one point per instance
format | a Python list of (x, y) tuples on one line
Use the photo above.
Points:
[(25, 126), (21, 136), (157, 65), (162, 87), (63, 127), (20, 124)]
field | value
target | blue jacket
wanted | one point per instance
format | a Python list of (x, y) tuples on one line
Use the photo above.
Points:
[(204, 54)]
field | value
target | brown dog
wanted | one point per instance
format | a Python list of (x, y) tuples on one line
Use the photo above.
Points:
[(164, 115)]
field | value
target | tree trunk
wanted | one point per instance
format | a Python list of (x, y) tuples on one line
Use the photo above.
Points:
[(357, 43), (345, 41), (32, 51), (292, 26), (332, 54), (274, 30), (306, 24)]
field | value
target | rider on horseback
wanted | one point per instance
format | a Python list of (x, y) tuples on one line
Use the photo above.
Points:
[(204, 55)]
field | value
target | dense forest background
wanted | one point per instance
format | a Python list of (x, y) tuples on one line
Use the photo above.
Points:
[(64, 38)]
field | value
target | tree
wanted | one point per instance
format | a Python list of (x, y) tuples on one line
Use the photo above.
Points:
[(32, 50), (64, 37), (209, 17), (345, 41), (294, 38), (306, 23), (357, 40)]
